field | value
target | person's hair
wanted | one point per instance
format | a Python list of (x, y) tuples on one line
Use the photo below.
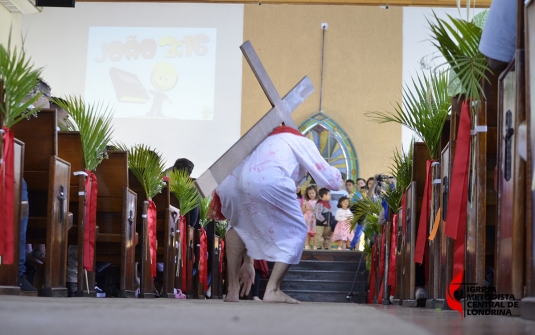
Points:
[(350, 181), (340, 201), (367, 181), (364, 180), (299, 194), (184, 164), (311, 187), (323, 191)]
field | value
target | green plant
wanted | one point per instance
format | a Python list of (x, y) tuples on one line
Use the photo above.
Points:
[(458, 41), (425, 109), (401, 169), (147, 166), (183, 188), (366, 211), (221, 228), (93, 121), (18, 78), (204, 206)]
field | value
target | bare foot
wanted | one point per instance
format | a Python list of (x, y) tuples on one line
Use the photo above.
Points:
[(232, 296), (279, 297), (255, 298)]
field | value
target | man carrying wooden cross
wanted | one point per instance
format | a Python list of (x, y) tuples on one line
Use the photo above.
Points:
[(258, 196)]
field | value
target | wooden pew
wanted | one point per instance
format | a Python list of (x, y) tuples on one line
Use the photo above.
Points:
[(48, 179), (70, 149), (527, 305), (168, 217), (481, 209), (510, 234), (414, 202), (433, 267), (409, 238), (400, 261), (116, 219), (189, 290), (446, 243), (214, 264), (9, 274)]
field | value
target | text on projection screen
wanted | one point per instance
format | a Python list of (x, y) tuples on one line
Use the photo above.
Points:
[(163, 73)]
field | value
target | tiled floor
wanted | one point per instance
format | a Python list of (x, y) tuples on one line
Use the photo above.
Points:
[(450, 322)]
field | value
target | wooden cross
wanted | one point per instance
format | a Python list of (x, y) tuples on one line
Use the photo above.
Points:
[(282, 108)]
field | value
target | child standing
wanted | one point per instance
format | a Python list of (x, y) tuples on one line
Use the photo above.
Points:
[(323, 220), (311, 197), (342, 235)]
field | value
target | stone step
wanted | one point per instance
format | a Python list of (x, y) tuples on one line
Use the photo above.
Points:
[(325, 275), (328, 266), (321, 296), (325, 286)]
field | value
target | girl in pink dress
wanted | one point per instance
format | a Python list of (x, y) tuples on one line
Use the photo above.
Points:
[(311, 197), (342, 235)]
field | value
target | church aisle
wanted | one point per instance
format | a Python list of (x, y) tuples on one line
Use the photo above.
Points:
[(66, 316)]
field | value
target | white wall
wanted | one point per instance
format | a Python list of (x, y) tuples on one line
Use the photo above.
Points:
[(417, 45)]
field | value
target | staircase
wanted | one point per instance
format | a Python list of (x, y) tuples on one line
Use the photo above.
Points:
[(325, 276)]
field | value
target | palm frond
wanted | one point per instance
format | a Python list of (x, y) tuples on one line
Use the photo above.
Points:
[(425, 109), (18, 78), (147, 166), (401, 169), (183, 188), (458, 41), (364, 209), (203, 211), (93, 121)]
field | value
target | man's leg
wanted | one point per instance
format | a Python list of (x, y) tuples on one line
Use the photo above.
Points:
[(319, 237), (273, 292), (234, 249)]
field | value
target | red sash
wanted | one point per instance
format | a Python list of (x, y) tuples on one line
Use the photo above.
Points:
[(393, 251), (90, 222), (203, 260), (7, 193), (458, 200), (423, 225), (151, 222), (286, 129)]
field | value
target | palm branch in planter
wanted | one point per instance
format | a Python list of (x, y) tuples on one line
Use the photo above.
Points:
[(147, 166), (458, 41), (17, 79), (425, 109), (366, 212), (204, 207), (93, 121), (401, 169)]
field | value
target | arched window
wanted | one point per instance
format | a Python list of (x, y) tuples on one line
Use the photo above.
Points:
[(333, 144)]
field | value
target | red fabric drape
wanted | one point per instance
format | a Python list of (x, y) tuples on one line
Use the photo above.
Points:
[(382, 266), (214, 213), (423, 225), (203, 260), (90, 222), (221, 257), (393, 251), (458, 199), (7, 204), (261, 266), (286, 129), (372, 275), (183, 246), (151, 221)]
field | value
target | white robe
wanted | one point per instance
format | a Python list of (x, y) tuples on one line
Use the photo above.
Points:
[(260, 201)]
